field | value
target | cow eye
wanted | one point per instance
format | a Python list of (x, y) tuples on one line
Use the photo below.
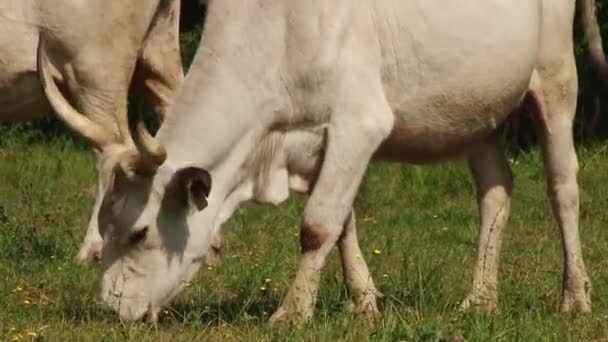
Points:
[(138, 236)]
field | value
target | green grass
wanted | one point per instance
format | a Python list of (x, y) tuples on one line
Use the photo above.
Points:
[(422, 219)]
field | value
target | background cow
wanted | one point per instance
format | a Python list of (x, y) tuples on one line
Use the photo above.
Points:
[(95, 47)]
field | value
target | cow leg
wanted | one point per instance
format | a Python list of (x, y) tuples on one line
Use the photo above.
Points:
[(159, 72), (556, 98), (356, 274), (352, 139), (90, 250), (494, 183), (103, 98)]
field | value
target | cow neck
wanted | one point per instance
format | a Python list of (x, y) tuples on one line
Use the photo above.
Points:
[(213, 113), (232, 93)]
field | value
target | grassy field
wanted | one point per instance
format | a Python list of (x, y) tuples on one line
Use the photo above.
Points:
[(423, 221)]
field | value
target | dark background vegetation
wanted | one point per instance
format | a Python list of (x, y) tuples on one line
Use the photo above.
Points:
[(591, 119)]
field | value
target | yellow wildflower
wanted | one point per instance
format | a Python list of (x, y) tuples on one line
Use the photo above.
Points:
[(377, 251)]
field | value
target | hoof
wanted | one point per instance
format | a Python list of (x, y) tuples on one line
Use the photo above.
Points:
[(575, 302), (576, 296), (478, 303), (365, 308), (288, 317)]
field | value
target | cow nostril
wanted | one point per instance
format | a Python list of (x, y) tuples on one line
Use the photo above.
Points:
[(94, 252), (97, 256), (217, 248)]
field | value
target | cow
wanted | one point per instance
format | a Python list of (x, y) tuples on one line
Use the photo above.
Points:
[(405, 81), (95, 46)]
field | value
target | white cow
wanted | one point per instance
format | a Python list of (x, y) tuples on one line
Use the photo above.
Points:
[(96, 46), (417, 81)]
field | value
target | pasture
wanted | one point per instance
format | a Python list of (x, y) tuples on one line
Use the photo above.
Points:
[(417, 227)]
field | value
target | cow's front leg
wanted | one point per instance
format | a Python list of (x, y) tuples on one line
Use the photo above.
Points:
[(91, 248), (494, 183), (358, 280), (358, 126), (104, 101)]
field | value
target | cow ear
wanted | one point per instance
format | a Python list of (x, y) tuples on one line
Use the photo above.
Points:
[(194, 184)]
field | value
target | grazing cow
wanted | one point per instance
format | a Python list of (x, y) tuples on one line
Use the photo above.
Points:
[(411, 81), (95, 47)]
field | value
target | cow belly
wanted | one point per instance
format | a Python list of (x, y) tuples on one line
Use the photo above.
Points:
[(436, 131), (452, 76), (22, 99), (426, 145)]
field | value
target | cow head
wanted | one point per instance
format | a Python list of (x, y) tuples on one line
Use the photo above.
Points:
[(160, 223), (160, 218), (149, 253), (145, 213)]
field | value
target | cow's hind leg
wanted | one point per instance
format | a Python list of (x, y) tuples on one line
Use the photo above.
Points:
[(358, 280), (358, 126), (556, 100), (494, 183)]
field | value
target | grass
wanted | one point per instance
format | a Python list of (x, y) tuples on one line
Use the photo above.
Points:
[(422, 220)]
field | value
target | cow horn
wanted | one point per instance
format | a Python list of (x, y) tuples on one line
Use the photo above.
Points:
[(150, 148), (78, 122)]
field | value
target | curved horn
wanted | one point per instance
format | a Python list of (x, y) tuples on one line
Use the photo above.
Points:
[(150, 148), (78, 122)]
